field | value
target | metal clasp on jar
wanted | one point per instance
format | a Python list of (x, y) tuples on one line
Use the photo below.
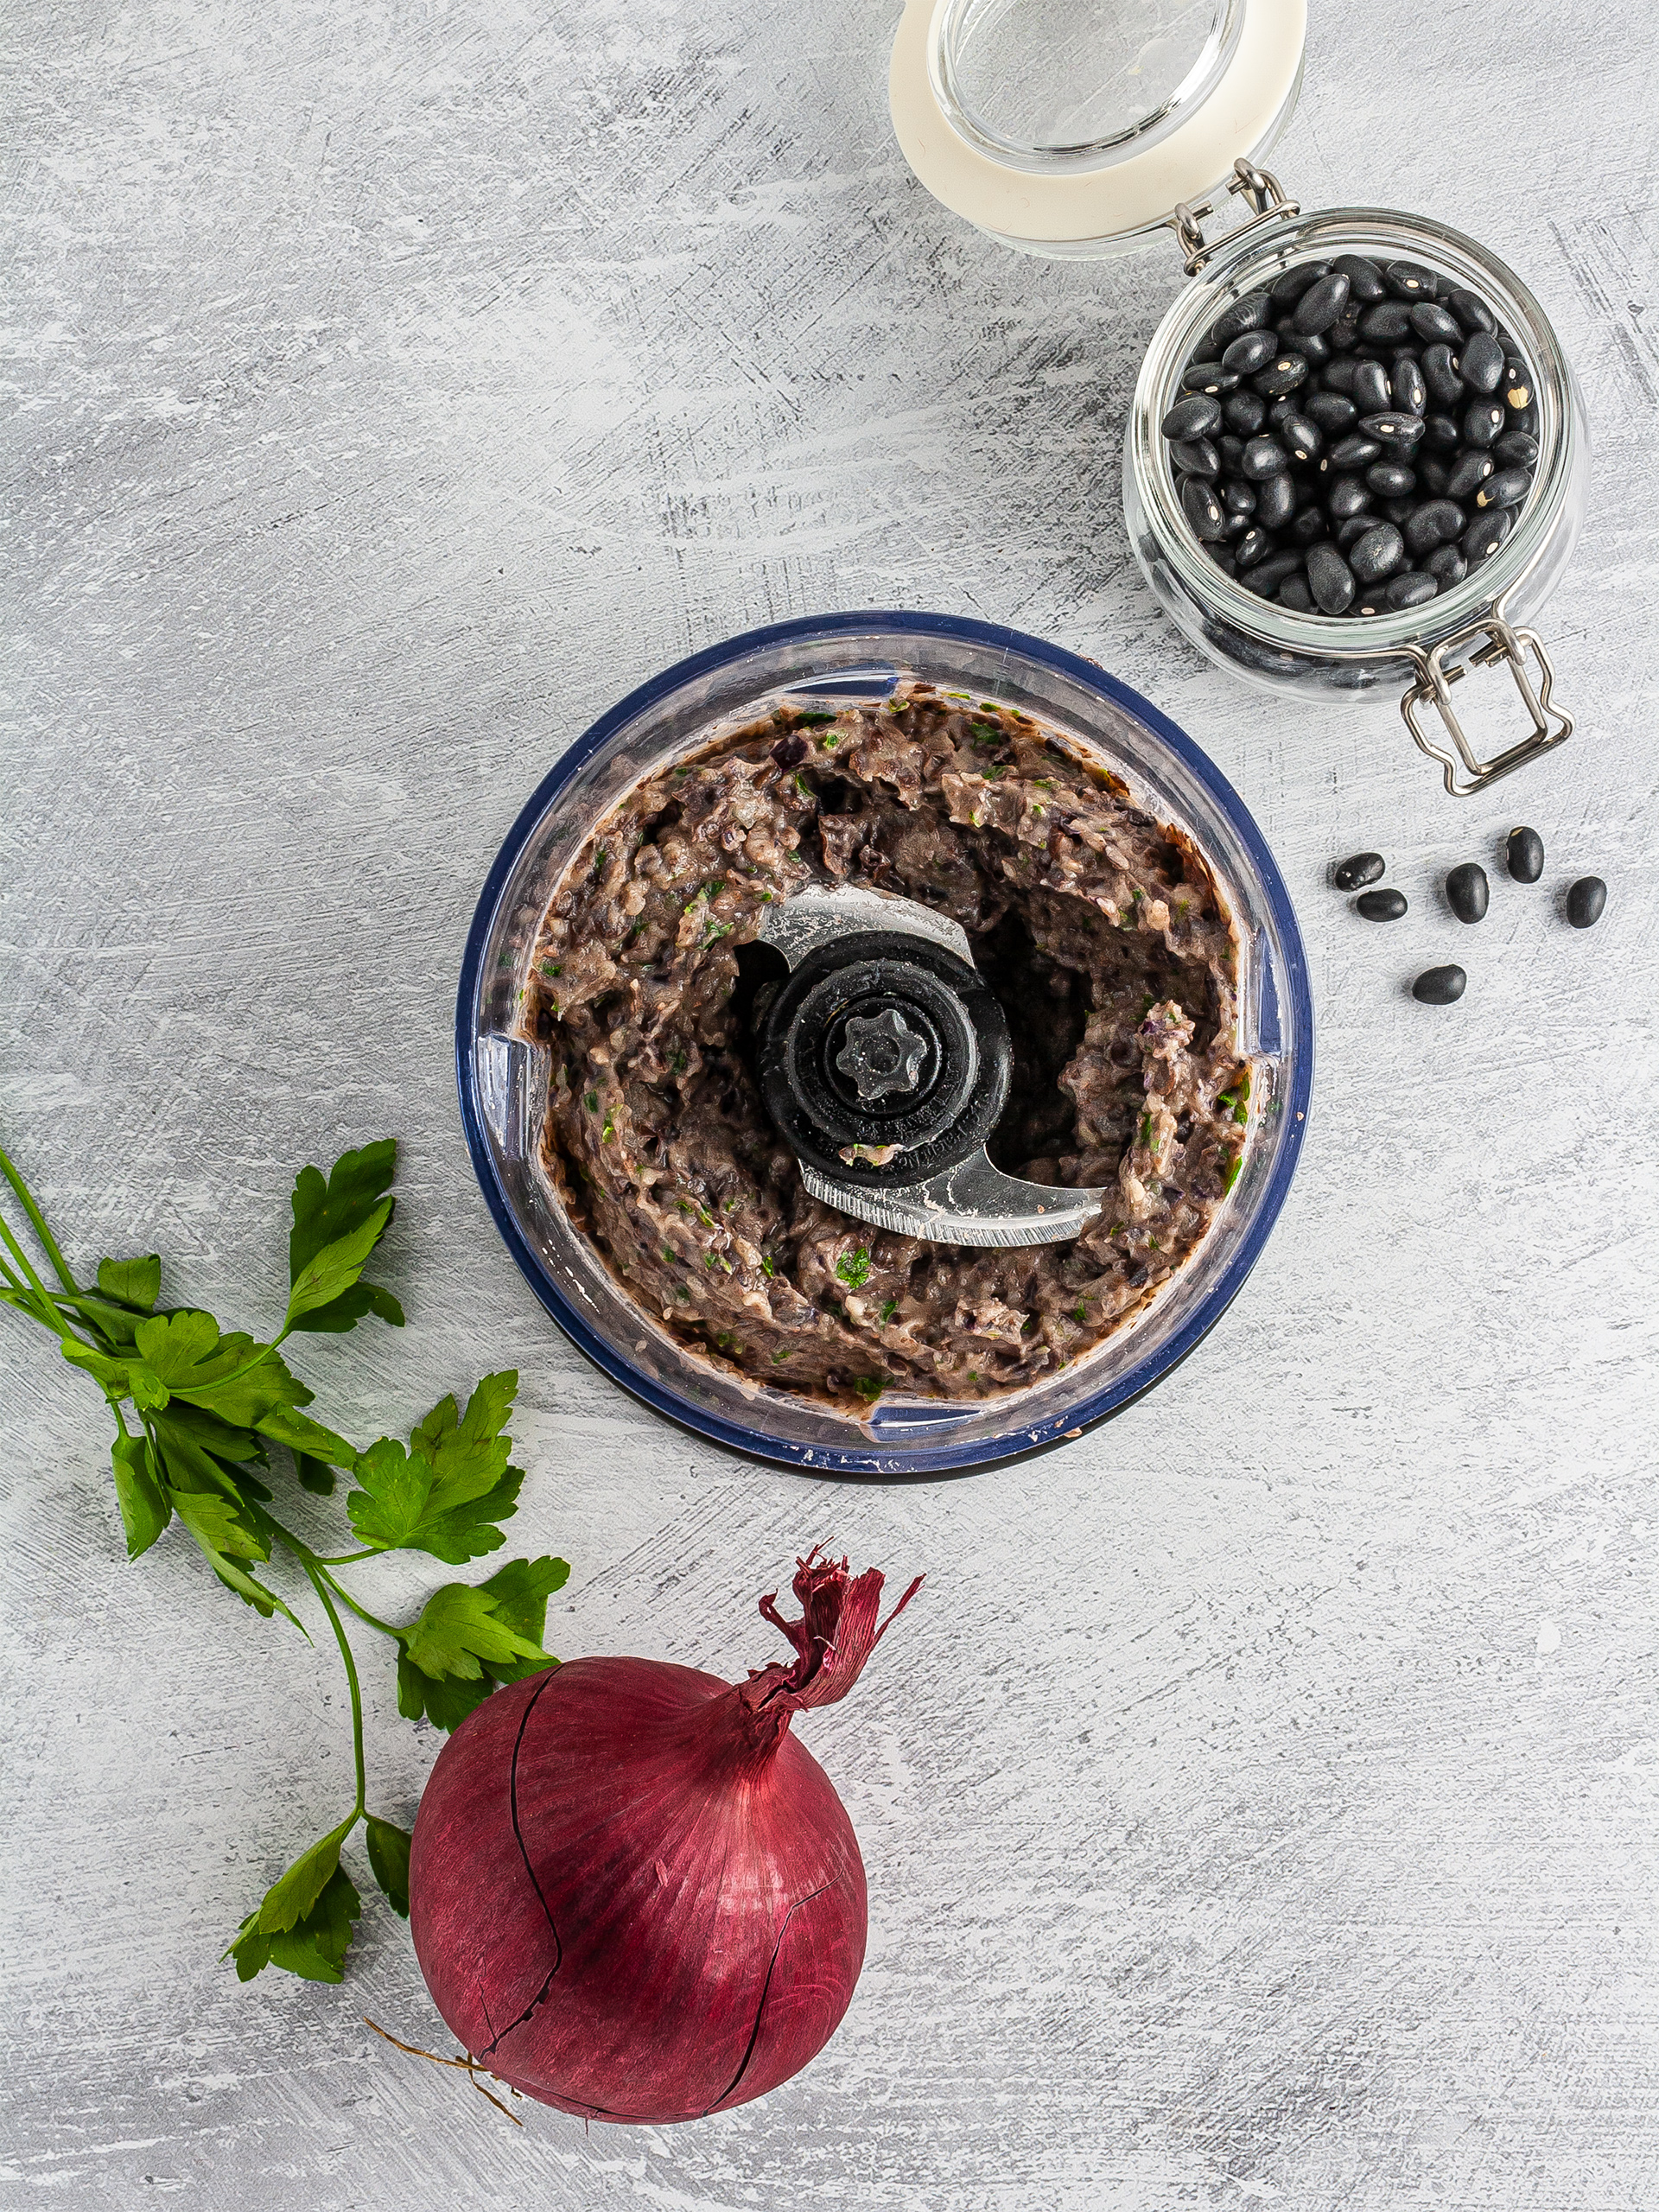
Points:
[(1439, 670), (1263, 191)]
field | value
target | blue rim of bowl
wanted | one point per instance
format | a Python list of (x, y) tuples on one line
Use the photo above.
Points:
[(871, 1460)]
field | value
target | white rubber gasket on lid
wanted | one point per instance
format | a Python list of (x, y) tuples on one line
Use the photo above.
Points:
[(1110, 199)]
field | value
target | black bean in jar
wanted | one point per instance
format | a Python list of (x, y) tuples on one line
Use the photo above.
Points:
[(1354, 438)]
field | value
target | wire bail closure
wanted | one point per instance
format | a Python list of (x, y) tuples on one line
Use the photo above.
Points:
[(1437, 674), (1265, 194)]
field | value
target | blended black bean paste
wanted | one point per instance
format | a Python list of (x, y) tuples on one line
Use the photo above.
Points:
[(1102, 933)]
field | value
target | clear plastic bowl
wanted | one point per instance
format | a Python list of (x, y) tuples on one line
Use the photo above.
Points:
[(503, 1077)]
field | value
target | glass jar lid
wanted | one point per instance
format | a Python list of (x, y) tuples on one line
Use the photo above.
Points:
[(1079, 126)]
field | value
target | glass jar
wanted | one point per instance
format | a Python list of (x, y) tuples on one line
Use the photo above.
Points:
[(1057, 126), (503, 1074)]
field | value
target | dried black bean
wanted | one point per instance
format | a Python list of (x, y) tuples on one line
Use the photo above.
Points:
[(1472, 314), (1378, 552), (1506, 489), (1390, 480), (1524, 854), (1409, 388), (1202, 508), (1255, 545), (1467, 474), (1409, 280), (1234, 525), (1294, 594), (1485, 534), (1333, 412), (1239, 497), (1482, 421), (1223, 557), (1210, 376), (1249, 312), (1435, 522), (1314, 350), (1517, 394), (1347, 496), (1389, 320), (1355, 451), (1364, 278), (1309, 527), (1385, 906), (1244, 413), (1444, 384), (1195, 457), (1282, 374), (1357, 870), (1302, 440), (1397, 431), (1432, 474), (1480, 364), (1370, 389), (1321, 304), (1264, 456), (1267, 576), (1466, 891), (1411, 587), (1440, 986), (1515, 449), (1446, 565), (1289, 288), (1339, 375), (1250, 350), (1585, 902), (1350, 529), (1440, 433), (1330, 579), (1198, 415), (1431, 323), (1275, 500)]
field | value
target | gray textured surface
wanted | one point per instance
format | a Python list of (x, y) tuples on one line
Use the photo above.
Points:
[(1259, 1804)]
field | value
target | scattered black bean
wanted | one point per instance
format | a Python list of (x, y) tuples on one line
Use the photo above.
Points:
[(1304, 452), (1585, 902), (1466, 891), (1440, 986), (1357, 870), (1525, 856), (1380, 905)]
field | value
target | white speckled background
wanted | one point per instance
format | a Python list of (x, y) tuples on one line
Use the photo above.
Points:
[(1260, 1802)]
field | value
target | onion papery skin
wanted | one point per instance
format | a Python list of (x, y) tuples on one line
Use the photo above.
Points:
[(633, 1894)]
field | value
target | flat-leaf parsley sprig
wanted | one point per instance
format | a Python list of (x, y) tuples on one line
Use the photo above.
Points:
[(197, 1409)]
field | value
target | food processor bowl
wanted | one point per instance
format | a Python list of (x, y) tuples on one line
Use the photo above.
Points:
[(502, 1074)]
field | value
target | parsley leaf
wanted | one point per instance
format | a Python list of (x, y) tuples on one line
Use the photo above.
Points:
[(854, 1267), (389, 1862), (144, 1511), (510, 1620), (136, 1283), (314, 1947), (337, 1224), (444, 1495)]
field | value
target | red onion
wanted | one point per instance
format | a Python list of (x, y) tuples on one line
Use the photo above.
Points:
[(633, 1894)]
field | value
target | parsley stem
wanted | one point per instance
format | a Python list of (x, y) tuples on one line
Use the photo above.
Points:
[(347, 1559), (318, 1580), (384, 1627), (309, 1561), (49, 1242)]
